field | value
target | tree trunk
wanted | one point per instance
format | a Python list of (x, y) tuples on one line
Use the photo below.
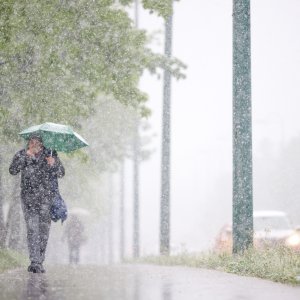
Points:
[(15, 228), (2, 223)]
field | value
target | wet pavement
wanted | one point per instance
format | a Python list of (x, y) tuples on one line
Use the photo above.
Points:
[(138, 282)]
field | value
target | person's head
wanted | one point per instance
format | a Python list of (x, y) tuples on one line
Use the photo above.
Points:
[(35, 143)]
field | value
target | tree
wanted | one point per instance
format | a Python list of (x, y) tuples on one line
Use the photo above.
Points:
[(58, 57)]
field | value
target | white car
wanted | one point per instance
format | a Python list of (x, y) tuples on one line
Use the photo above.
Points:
[(271, 228)]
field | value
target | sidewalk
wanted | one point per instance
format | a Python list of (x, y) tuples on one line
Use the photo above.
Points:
[(139, 282)]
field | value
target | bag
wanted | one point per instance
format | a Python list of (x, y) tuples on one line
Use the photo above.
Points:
[(58, 209)]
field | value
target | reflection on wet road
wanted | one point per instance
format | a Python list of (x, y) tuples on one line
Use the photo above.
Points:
[(37, 287), (138, 282)]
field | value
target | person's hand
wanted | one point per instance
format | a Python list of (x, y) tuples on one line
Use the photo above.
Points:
[(30, 152), (50, 160)]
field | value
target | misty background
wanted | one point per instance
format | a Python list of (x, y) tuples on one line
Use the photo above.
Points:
[(201, 128), (201, 135)]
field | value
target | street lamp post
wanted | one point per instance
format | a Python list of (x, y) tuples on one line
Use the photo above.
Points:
[(165, 165), (110, 224), (242, 129), (122, 214), (136, 153), (136, 202)]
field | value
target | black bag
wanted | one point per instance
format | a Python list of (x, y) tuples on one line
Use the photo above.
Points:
[(58, 209)]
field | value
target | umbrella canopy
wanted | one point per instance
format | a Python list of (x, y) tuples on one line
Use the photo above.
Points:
[(56, 136)]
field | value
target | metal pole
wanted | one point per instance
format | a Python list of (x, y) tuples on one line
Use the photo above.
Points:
[(136, 204), (165, 165), (122, 219), (136, 13), (111, 222), (136, 142), (242, 129)]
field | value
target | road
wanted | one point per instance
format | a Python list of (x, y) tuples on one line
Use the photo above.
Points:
[(138, 282)]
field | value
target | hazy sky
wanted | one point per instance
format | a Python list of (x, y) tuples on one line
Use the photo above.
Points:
[(201, 112)]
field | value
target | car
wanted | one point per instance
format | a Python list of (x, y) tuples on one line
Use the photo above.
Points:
[(271, 229), (223, 242)]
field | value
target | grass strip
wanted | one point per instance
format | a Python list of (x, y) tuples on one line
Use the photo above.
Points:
[(279, 265)]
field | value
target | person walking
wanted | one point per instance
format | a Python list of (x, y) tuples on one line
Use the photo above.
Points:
[(74, 232), (39, 169)]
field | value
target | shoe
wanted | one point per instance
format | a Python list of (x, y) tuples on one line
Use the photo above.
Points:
[(30, 268), (34, 268)]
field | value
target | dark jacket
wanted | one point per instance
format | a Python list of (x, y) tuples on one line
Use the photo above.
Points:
[(38, 178)]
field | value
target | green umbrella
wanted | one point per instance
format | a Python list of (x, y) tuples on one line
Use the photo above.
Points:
[(56, 136)]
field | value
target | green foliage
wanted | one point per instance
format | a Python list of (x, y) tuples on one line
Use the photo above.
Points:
[(163, 8), (276, 264), (57, 56), (10, 259)]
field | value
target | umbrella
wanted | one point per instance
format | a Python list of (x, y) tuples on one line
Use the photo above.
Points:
[(56, 136)]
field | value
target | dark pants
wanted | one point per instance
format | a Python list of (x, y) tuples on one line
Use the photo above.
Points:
[(38, 221)]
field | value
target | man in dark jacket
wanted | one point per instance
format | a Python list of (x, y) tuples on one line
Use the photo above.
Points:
[(38, 167)]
